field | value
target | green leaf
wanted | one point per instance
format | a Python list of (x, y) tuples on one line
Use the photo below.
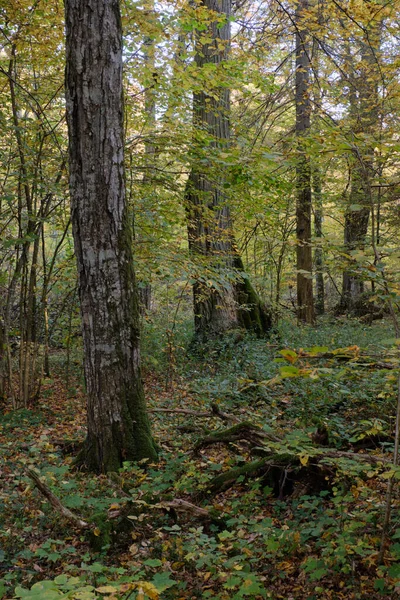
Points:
[(289, 371), (163, 581)]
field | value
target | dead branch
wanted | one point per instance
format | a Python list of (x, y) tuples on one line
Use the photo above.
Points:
[(184, 506), (55, 502), (241, 432), (214, 412)]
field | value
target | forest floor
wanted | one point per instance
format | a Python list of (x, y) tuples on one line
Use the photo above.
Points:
[(274, 464)]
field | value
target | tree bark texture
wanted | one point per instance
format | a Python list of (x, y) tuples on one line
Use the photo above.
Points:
[(218, 307), (318, 252), (305, 300), (317, 185), (364, 101), (118, 427), (144, 288)]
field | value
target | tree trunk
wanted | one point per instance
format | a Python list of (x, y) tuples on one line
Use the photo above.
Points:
[(364, 100), (225, 303), (317, 184), (144, 288), (305, 300), (118, 426)]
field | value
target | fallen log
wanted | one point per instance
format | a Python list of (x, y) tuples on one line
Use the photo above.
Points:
[(279, 469), (245, 431)]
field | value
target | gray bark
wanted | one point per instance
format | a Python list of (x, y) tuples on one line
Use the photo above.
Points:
[(118, 427)]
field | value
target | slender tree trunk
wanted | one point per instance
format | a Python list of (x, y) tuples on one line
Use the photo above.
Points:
[(317, 183), (318, 253), (305, 300), (144, 288), (3, 361), (118, 426), (218, 306)]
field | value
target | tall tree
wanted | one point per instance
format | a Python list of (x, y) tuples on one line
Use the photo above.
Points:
[(363, 79), (305, 300), (317, 183), (118, 427), (232, 303)]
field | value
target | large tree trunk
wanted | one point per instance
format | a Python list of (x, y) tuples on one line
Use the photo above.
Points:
[(224, 304), (305, 300), (118, 427), (364, 100)]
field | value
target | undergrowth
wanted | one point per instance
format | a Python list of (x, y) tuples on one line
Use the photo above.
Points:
[(312, 533)]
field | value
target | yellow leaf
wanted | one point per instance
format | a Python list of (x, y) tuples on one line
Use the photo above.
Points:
[(106, 589), (97, 532), (145, 587), (304, 459)]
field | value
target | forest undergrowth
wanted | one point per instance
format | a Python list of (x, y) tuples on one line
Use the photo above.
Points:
[(274, 461)]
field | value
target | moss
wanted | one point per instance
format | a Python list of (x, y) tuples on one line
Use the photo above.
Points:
[(254, 316), (269, 468), (245, 430)]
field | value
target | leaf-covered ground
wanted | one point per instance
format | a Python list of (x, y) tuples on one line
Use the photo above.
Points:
[(318, 408)]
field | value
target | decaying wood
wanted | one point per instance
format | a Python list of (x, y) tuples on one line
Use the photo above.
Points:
[(214, 412), (275, 465), (245, 431), (55, 502), (184, 506)]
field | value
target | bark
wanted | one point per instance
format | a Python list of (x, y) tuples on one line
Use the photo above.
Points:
[(305, 300), (364, 100), (3, 360), (318, 254), (218, 307), (118, 426), (144, 288), (317, 188)]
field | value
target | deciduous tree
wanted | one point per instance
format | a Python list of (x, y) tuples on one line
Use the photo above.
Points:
[(118, 427)]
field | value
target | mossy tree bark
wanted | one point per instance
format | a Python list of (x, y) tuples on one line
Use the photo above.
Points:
[(227, 303), (118, 427), (363, 80)]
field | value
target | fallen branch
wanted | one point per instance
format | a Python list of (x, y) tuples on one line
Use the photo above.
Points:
[(55, 502), (242, 431), (214, 412), (281, 470), (183, 506)]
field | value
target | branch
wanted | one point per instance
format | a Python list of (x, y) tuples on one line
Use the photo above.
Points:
[(214, 412), (55, 502)]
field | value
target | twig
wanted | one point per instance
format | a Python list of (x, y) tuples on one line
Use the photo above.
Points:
[(55, 502)]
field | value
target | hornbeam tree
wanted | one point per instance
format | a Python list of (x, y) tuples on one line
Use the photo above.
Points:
[(118, 427)]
